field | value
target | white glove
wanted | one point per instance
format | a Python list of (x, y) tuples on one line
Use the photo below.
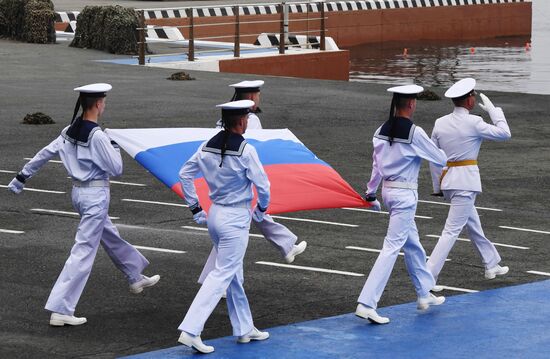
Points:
[(487, 105), (200, 217), (258, 214), (375, 205), (16, 186)]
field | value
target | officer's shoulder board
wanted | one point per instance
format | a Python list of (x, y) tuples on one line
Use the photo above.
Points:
[(85, 134), (403, 131), (234, 146)]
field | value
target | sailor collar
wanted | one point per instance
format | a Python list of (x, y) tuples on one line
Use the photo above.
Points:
[(403, 131), (85, 132), (234, 146)]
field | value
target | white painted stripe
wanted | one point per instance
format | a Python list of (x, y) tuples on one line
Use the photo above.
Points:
[(525, 229), (203, 229), (52, 161), (459, 289), (154, 202), (539, 273), (36, 190), (313, 269), (128, 183), (316, 221), (52, 211), (6, 171), (496, 244), (448, 204), (368, 250), (381, 212), (378, 251), (160, 249), (11, 231)]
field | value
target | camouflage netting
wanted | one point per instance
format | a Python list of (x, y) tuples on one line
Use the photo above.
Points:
[(38, 118), (428, 95), (180, 76), (28, 20), (107, 28)]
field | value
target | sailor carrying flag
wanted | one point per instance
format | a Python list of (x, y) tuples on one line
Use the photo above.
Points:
[(90, 159)]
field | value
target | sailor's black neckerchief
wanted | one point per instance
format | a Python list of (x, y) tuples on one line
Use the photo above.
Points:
[(402, 130), (80, 132), (234, 144)]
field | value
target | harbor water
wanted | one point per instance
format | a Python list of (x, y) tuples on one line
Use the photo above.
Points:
[(516, 64)]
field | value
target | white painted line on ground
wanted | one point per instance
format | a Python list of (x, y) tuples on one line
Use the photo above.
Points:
[(52, 161), (11, 231), (36, 190), (6, 171), (313, 269), (52, 211), (496, 244), (525, 229), (154, 202), (316, 221), (459, 289), (448, 204), (129, 183), (380, 212), (203, 229), (373, 250), (539, 273), (160, 249)]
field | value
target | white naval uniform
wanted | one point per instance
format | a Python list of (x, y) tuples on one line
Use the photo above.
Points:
[(397, 166), (92, 160), (230, 189), (460, 135), (280, 236)]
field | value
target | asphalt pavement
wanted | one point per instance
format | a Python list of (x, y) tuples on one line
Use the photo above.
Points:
[(334, 119)]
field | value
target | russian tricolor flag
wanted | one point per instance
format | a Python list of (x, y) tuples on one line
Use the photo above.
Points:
[(299, 180)]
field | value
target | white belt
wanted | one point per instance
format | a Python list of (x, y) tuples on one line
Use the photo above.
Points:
[(92, 183), (242, 204), (403, 185)]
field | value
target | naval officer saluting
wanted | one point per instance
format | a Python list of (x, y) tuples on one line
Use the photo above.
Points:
[(399, 147), (90, 159), (275, 233), (460, 135), (230, 167)]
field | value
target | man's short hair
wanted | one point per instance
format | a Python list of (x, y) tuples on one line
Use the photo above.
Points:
[(402, 102), (88, 102)]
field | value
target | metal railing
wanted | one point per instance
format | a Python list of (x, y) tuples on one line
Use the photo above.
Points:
[(283, 21)]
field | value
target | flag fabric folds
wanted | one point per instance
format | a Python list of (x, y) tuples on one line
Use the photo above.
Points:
[(299, 180)]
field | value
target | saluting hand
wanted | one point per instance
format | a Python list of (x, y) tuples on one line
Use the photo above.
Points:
[(487, 105)]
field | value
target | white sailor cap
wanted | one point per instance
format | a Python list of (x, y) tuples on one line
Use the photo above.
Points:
[(461, 88), (240, 107), (406, 90), (94, 90), (248, 86)]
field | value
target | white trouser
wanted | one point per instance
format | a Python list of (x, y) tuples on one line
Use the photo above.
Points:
[(228, 228), (462, 213), (280, 236), (402, 233), (92, 203)]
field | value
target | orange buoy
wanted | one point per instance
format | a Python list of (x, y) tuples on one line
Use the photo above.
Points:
[(472, 50), (405, 52)]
